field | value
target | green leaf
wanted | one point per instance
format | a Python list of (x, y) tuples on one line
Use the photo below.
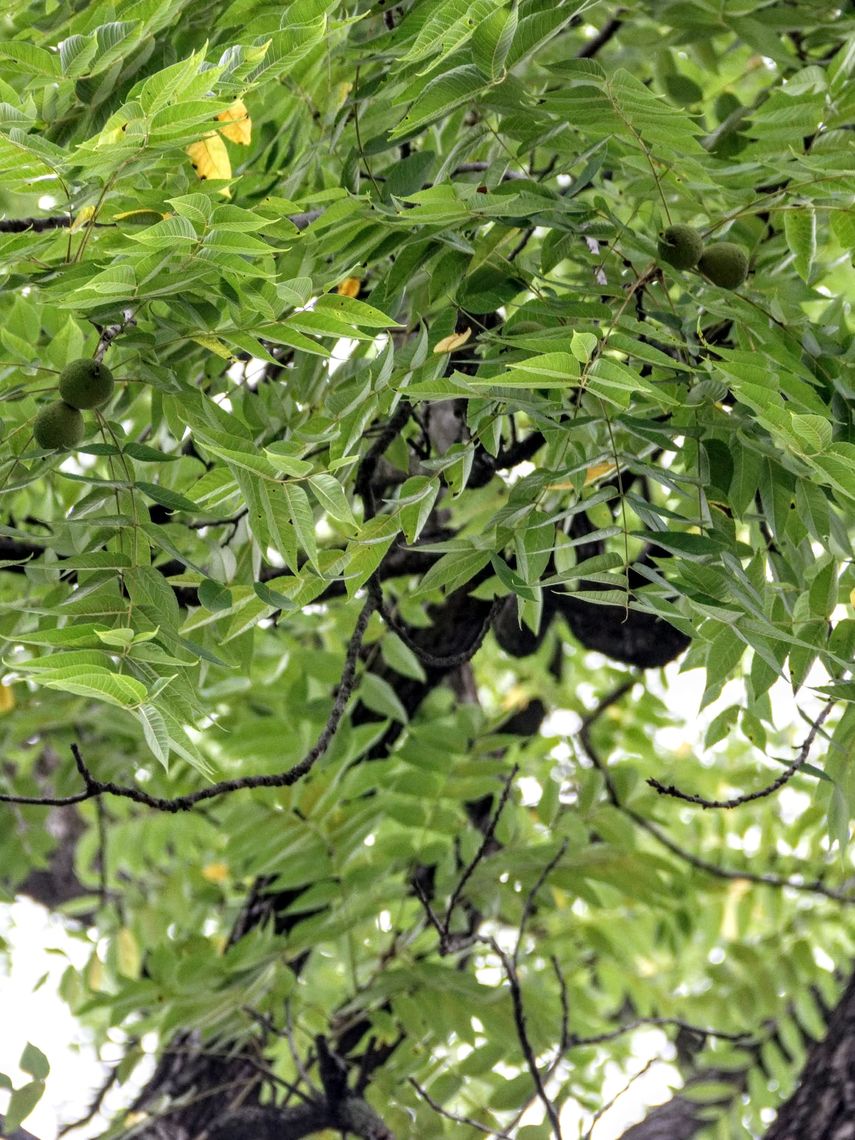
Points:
[(548, 370), (114, 688), (800, 231), (379, 695), (281, 455), (350, 310), (214, 596), (21, 1103), (452, 570), (441, 96), (34, 1062), (155, 732), (367, 550), (302, 518), (415, 503), (331, 497), (167, 498)]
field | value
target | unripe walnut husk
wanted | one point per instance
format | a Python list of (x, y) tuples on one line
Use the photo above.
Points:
[(86, 383), (725, 264), (680, 246), (58, 427)]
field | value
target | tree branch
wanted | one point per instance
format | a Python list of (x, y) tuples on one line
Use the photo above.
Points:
[(338, 1109), (766, 880), (449, 661), (770, 789), (606, 33), (95, 788)]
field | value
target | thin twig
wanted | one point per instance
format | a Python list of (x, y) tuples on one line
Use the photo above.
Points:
[(480, 167), (425, 1095), (63, 221), (770, 789), (522, 1035), (577, 1042), (95, 788), (606, 33), (109, 334), (585, 735), (564, 1040), (267, 1024), (732, 875), (98, 1099), (441, 930), (729, 874), (101, 857), (368, 465), (21, 225), (482, 850), (604, 1108), (532, 895)]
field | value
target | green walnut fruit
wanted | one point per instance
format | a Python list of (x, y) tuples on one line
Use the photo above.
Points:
[(58, 427), (680, 246), (86, 383), (725, 264)]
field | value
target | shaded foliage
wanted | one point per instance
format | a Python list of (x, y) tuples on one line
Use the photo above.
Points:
[(332, 712)]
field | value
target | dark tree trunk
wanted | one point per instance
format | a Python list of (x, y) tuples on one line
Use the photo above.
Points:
[(682, 1118), (822, 1107), (823, 1104)]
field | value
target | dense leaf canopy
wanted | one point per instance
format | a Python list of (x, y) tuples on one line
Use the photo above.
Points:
[(331, 651)]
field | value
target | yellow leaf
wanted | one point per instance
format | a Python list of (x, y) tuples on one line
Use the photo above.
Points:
[(449, 343), (736, 891), (128, 957), (84, 216), (211, 159), (7, 698), (136, 213), (597, 470), (559, 897), (239, 129), (852, 597), (215, 345), (216, 872), (95, 974), (111, 138), (349, 287)]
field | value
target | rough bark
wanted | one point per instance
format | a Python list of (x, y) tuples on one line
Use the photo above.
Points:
[(679, 1118), (676, 1119), (56, 882), (823, 1104)]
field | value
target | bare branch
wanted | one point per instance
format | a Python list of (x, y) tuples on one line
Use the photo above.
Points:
[(482, 850), (95, 788), (675, 1022), (425, 1095), (761, 879), (606, 33), (770, 789), (109, 334), (532, 895)]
